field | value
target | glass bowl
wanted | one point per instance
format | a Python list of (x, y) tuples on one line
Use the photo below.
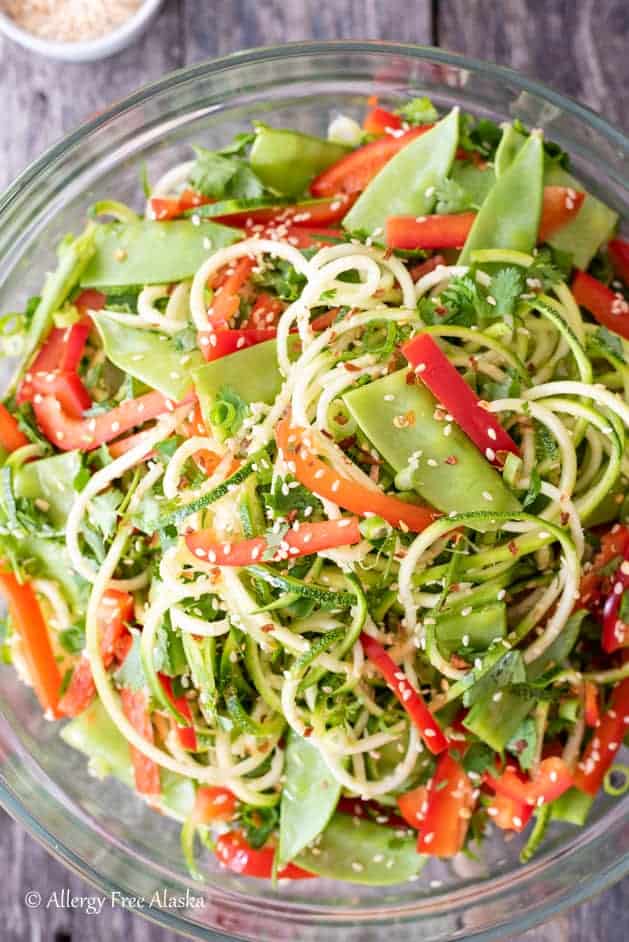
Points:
[(98, 827)]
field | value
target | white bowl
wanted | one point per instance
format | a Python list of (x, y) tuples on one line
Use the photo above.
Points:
[(90, 50)]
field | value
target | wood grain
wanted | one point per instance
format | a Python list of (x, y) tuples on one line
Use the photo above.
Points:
[(580, 48)]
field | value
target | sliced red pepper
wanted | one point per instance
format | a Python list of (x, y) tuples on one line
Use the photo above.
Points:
[(378, 121), (592, 710), (424, 268), (302, 215), (352, 173), (146, 771), (608, 307), (605, 742), (237, 855), (114, 612), (413, 806), (428, 232), (185, 733), (448, 386), (54, 369), (619, 254), (165, 208), (450, 805), (214, 803), (324, 481), (560, 206), (615, 630), (614, 543), (230, 340), (508, 814), (410, 698), (89, 300), (266, 311), (68, 433), (309, 538), (548, 781), (305, 237), (11, 435), (29, 624), (227, 285)]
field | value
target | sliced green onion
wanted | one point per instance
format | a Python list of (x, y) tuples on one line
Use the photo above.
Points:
[(608, 784)]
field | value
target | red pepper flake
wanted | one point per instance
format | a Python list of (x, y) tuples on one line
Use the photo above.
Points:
[(513, 549), (452, 459)]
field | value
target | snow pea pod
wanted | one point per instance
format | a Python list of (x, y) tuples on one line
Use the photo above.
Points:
[(358, 850), (152, 253), (448, 470), (479, 628), (406, 185), (50, 480), (509, 217), (593, 225), (286, 161), (148, 355), (309, 797)]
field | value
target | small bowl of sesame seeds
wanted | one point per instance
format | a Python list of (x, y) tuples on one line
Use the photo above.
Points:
[(76, 30)]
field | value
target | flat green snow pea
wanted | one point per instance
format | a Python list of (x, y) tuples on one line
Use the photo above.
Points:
[(476, 181), (406, 185), (309, 797), (148, 355), (51, 480), (593, 225), (447, 470), (358, 850), (286, 161), (152, 253), (509, 217), (252, 373), (479, 627), (94, 734), (74, 255)]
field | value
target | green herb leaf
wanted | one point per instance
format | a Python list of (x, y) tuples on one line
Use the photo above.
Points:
[(168, 654), (509, 669), (478, 757), (131, 673), (282, 278), (418, 111), (258, 824), (72, 639), (506, 287), (224, 174), (610, 342), (452, 198), (534, 490), (523, 743)]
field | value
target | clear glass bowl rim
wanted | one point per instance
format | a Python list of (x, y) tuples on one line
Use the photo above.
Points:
[(620, 141)]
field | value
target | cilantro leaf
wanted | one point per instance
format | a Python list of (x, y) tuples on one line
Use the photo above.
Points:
[(478, 757), (258, 824), (452, 197), (534, 490), (168, 653), (506, 287), (130, 674), (102, 511), (224, 175), (460, 303), (418, 111), (282, 278), (549, 267), (609, 342), (509, 669), (523, 743)]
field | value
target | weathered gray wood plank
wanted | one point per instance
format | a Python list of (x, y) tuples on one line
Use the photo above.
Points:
[(577, 48)]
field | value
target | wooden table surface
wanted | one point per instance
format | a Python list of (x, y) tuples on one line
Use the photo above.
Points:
[(577, 46)]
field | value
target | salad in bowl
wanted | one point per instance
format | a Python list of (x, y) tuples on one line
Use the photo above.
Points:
[(313, 495)]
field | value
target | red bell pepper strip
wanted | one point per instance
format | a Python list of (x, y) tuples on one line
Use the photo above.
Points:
[(54, 369), (265, 312), (509, 814), (214, 803), (220, 343), (592, 709), (227, 286), (560, 206), (29, 624), (11, 435), (186, 734), (309, 538), (113, 614), (424, 268), (448, 386), (352, 173), (413, 806), (233, 851), (324, 481), (302, 215), (410, 698), (614, 542), (605, 742), (608, 307), (548, 781), (304, 237), (164, 208), (378, 121), (619, 254), (146, 771), (428, 232), (68, 433), (89, 300), (615, 630), (450, 805), (370, 810)]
